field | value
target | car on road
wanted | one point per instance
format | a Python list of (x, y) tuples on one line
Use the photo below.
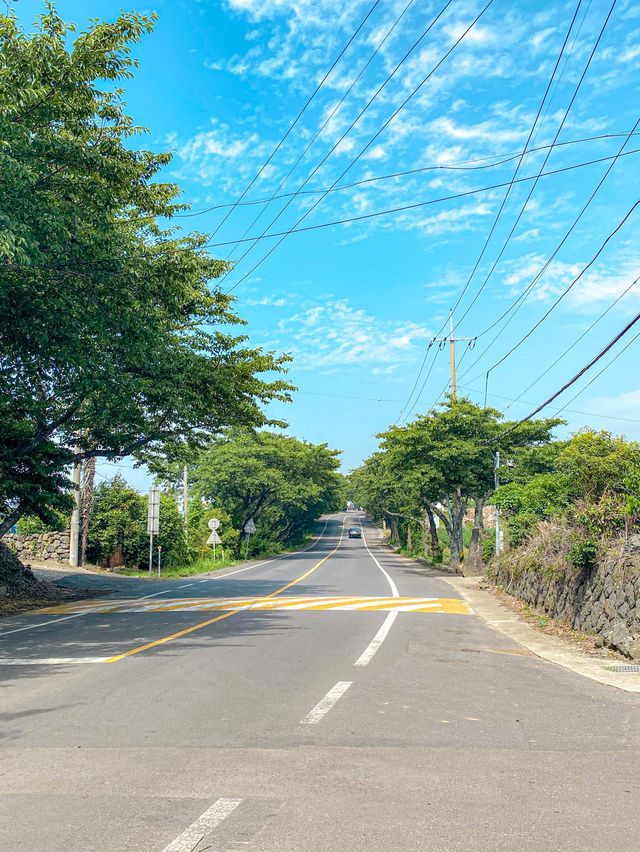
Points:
[(355, 532)]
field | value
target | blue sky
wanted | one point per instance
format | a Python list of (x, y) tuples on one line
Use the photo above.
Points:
[(356, 304)]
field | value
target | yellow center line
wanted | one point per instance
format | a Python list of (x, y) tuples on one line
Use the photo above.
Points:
[(209, 621)]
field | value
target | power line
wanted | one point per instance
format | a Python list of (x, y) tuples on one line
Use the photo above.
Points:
[(372, 140), (519, 301), (416, 205), (597, 376), (299, 115), (564, 292), (578, 375), (517, 169), (548, 154), (459, 166), (327, 120), (510, 400), (336, 144), (576, 341)]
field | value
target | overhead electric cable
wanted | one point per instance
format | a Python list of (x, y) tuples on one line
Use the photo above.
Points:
[(544, 163), (575, 342), (339, 141), (328, 119), (299, 115), (575, 378), (417, 204), (519, 301), (507, 194), (460, 165), (563, 294), (597, 376), (564, 407), (373, 138)]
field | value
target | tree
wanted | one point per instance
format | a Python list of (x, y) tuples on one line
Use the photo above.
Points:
[(445, 459), (118, 527), (283, 484), (111, 339)]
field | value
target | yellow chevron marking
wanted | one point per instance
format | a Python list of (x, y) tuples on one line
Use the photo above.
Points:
[(314, 604)]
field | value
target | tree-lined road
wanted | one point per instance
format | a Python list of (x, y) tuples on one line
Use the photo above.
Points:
[(301, 704)]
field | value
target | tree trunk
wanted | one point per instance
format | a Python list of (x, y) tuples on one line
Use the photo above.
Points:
[(7, 522), (88, 478), (393, 523), (409, 538), (456, 514), (436, 549), (474, 564)]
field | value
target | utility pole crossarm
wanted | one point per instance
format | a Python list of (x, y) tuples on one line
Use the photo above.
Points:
[(452, 339)]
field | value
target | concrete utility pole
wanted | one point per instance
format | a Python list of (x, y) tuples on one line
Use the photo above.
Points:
[(74, 531), (496, 481), (452, 339)]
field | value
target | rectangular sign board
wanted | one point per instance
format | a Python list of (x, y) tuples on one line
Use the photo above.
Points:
[(153, 512)]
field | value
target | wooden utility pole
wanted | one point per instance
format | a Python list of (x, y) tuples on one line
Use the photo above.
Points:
[(452, 339)]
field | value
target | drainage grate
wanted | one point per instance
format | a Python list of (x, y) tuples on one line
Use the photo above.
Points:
[(622, 668)]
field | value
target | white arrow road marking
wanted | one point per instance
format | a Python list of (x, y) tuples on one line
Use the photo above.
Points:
[(209, 820), (322, 707)]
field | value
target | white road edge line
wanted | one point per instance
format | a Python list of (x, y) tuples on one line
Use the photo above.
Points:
[(322, 707), (105, 607), (210, 819), (372, 648), (52, 661)]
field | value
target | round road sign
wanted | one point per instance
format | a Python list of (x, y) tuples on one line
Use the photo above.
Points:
[(213, 524)]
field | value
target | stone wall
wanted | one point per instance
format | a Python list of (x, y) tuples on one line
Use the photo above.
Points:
[(604, 600), (40, 546)]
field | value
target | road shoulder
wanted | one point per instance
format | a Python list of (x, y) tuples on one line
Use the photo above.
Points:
[(550, 648)]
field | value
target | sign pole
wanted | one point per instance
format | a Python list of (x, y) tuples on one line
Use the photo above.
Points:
[(159, 558), (150, 554), (153, 522)]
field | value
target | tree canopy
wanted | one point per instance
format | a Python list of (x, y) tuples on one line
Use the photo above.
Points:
[(439, 463), (283, 484), (112, 338)]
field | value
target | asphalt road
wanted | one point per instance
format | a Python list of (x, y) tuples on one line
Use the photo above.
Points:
[(335, 699)]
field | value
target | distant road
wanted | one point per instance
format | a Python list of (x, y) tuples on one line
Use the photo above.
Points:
[(336, 699)]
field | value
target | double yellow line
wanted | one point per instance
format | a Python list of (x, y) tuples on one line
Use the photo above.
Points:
[(209, 621)]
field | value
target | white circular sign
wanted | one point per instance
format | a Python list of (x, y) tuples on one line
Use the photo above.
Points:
[(213, 524)]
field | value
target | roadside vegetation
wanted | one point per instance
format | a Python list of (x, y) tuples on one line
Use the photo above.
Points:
[(114, 338), (563, 504)]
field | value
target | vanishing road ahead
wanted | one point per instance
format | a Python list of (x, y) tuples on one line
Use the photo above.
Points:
[(336, 699)]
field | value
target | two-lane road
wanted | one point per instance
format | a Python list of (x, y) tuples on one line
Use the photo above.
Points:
[(338, 698)]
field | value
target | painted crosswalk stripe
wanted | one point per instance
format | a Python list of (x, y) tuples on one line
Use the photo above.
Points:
[(453, 606)]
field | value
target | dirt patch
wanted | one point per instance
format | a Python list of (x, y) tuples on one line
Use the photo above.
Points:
[(20, 590), (542, 622)]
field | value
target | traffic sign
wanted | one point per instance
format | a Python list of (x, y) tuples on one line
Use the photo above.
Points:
[(250, 527), (214, 538), (213, 523), (153, 512)]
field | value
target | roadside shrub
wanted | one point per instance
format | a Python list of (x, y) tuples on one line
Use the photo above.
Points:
[(583, 554), (31, 525), (488, 545)]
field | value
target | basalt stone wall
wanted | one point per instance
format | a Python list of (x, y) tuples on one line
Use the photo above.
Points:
[(604, 600), (39, 546)]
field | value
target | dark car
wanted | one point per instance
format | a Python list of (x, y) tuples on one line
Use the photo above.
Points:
[(355, 532)]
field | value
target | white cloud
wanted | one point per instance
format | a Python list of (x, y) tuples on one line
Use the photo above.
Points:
[(334, 334)]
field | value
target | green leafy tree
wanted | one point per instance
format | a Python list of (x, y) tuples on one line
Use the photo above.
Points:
[(444, 460), (283, 484), (117, 532), (112, 340)]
